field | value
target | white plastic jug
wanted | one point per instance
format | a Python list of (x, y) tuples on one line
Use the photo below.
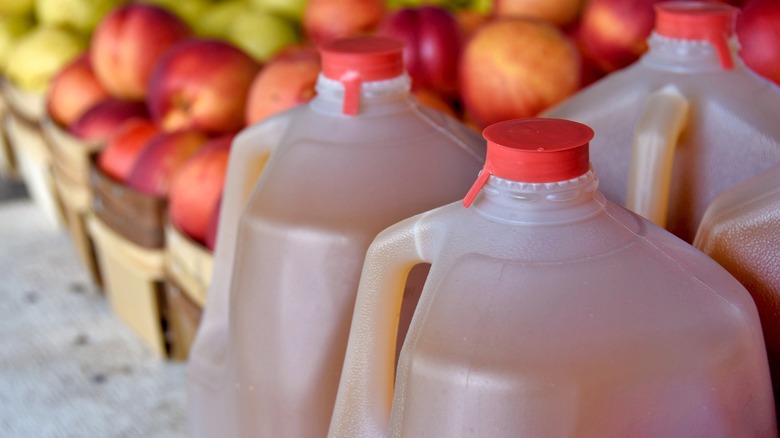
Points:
[(684, 123), (741, 231), (550, 312), (362, 155)]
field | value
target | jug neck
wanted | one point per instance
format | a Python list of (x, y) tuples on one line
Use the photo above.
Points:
[(507, 201), (376, 97), (686, 55)]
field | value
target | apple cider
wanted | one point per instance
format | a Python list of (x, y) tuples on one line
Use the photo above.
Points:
[(549, 311), (741, 231), (362, 155), (684, 123)]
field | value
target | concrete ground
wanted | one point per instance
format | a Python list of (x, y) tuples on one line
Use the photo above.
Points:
[(68, 366)]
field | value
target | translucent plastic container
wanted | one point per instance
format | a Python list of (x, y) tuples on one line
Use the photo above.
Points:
[(550, 312), (741, 231), (362, 155), (695, 120)]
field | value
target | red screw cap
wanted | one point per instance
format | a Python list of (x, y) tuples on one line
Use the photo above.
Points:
[(534, 150), (355, 60), (706, 21)]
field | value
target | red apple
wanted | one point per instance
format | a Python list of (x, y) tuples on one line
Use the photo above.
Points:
[(432, 41), (326, 20), (102, 120), (123, 148), (127, 44), (590, 71), (161, 157), (201, 84), (614, 32), (758, 31), (559, 12), (286, 81), (72, 91), (211, 230), (196, 188), (513, 68)]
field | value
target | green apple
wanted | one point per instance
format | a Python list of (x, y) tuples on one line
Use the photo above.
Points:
[(262, 34), (17, 7), (12, 27), (217, 18), (290, 9), (39, 54), (80, 15)]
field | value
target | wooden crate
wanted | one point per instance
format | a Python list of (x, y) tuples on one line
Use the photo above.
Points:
[(71, 170), (188, 263), (127, 228), (183, 316), (34, 163), (7, 159), (29, 106), (133, 279), (32, 156), (188, 267)]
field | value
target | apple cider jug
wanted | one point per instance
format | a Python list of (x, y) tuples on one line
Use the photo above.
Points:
[(685, 122), (741, 231), (362, 155), (550, 311)]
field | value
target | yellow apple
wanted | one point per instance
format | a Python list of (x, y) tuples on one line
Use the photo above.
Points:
[(80, 15), (12, 27), (17, 7), (261, 34), (291, 9), (217, 19), (38, 55)]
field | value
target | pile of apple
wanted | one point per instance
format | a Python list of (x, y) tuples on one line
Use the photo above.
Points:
[(516, 58), (38, 37), (165, 100), (166, 84)]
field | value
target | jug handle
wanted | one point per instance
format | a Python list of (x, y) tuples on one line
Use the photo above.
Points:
[(662, 120), (365, 393), (248, 155)]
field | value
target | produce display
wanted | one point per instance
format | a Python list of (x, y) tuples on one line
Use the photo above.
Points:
[(156, 90), (245, 60)]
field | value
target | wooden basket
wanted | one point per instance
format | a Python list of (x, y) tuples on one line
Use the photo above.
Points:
[(183, 319), (133, 277), (70, 170), (136, 216), (127, 228), (31, 154), (188, 263), (34, 162), (7, 159), (188, 267)]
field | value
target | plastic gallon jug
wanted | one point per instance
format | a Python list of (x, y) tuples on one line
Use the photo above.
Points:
[(362, 155), (741, 231), (550, 312), (684, 123)]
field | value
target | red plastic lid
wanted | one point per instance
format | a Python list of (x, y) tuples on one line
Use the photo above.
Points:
[(708, 21), (355, 60), (534, 150)]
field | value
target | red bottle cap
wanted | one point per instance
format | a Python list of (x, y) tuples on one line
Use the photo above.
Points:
[(707, 21), (534, 150), (355, 60)]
